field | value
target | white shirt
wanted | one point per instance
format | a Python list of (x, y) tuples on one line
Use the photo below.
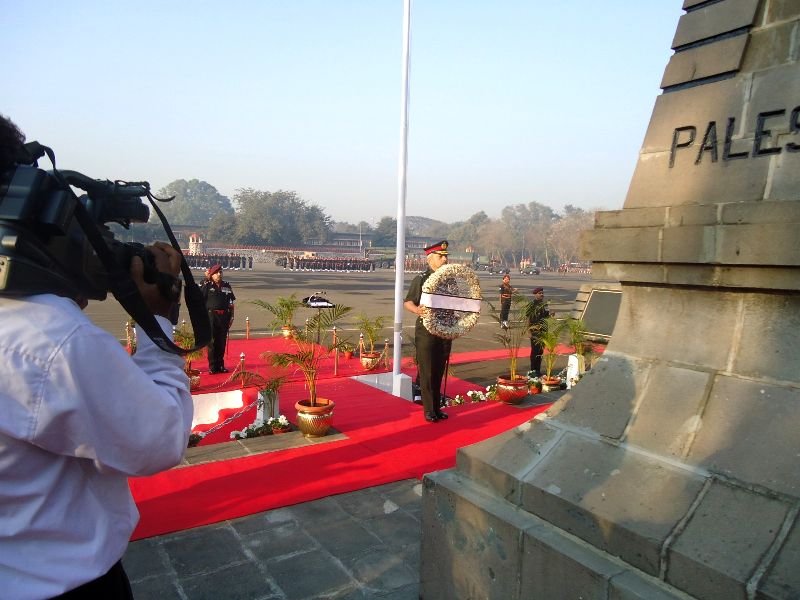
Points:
[(78, 415)]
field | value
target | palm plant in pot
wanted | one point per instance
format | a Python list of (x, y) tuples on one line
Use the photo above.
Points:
[(371, 328), (347, 348), (513, 388), (283, 311), (549, 337), (268, 402), (577, 334), (314, 414), (184, 338)]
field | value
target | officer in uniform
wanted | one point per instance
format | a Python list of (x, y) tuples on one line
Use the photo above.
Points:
[(537, 312), (219, 299), (432, 351)]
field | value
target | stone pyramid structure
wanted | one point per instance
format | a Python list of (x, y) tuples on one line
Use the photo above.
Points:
[(672, 470)]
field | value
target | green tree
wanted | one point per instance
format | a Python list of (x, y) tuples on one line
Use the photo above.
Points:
[(566, 234), (222, 228), (196, 203), (279, 218), (385, 234), (464, 233)]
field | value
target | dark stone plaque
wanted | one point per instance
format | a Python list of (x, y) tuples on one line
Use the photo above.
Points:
[(600, 313)]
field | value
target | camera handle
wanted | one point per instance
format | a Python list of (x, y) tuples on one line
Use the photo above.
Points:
[(124, 289)]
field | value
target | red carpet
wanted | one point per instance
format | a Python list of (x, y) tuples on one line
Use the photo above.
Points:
[(388, 440), (252, 350)]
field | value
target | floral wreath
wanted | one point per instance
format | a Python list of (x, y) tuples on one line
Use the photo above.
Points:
[(454, 286)]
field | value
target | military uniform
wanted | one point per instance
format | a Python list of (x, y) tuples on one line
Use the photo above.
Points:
[(537, 313), (219, 303), (506, 293), (432, 351)]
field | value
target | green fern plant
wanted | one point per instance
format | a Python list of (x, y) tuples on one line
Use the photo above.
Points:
[(283, 311), (371, 328), (549, 337), (518, 330), (308, 354)]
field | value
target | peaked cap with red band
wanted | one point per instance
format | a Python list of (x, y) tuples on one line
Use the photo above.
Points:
[(438, 248)]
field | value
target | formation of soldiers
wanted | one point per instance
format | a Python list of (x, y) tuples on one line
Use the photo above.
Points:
[(416, 264), (345, 265), (230, 262)]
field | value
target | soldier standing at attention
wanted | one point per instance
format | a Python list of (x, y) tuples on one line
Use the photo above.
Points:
[(537, 313), (219, 299), (506, 293), (432, 351)]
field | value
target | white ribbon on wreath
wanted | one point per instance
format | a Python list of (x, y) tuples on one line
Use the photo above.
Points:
[(451, 297)]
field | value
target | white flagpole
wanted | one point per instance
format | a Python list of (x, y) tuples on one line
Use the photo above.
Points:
[(400, 252)]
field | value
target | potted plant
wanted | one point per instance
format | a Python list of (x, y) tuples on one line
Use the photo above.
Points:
[(184, 338), (576, 333), (347, 348), (259, 428), (371, 329), (549, 337), (279, 424), (534, 383), (314, 414), (283, 311), (268, 404), (513, 388)]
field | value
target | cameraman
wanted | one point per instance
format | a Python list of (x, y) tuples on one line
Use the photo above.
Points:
[(78, 416)]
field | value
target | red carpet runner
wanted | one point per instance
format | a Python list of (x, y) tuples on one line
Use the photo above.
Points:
[(388, 440)]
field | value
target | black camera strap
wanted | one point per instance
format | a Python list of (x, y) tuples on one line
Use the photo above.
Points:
[(126, 292)]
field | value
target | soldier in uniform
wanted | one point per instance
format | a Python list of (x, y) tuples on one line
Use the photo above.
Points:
[(506, 293), (219, 299), (432, 351), (537, 312)]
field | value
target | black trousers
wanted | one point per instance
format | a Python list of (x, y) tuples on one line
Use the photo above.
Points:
[(219, 337), (505, 306), (536, 356), (432, 355), (114, 585)]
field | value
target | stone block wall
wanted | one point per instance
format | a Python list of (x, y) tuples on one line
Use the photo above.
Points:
[(672, 470)]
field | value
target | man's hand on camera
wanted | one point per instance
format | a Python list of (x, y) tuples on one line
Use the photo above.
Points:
[(168, 261)]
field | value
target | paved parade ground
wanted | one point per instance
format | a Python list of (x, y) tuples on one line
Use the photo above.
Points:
[(371, 292)]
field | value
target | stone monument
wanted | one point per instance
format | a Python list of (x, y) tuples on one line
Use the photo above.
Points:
[(672, 470)]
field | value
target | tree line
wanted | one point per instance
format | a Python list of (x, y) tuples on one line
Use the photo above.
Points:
[(531, 231)]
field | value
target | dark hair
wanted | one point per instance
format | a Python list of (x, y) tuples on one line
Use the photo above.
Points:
[(11, 142)]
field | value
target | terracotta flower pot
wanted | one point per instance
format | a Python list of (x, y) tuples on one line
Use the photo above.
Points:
[(348, 354), (512, 391), (314, 421), (550, 383)]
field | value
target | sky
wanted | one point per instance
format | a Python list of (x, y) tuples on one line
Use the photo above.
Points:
[(511, 101)]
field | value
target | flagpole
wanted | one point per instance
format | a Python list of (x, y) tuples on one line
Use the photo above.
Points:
[(400, 251)]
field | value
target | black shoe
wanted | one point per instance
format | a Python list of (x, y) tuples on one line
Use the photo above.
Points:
[(441, 415), (431, 417), (223, 370), (213, 371)]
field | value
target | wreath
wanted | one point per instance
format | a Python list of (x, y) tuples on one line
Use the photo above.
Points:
[(451, 298)]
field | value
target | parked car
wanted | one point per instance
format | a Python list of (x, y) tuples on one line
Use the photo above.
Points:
[(530, 271)]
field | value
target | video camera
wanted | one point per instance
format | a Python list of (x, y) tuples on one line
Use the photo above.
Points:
[(52, 241)]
